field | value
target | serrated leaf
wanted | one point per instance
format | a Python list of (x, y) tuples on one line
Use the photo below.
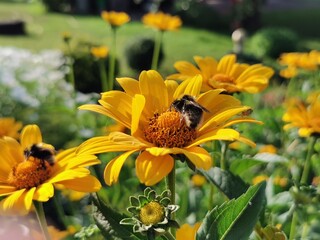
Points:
[(234, 219), (108, 222), (232, 186)]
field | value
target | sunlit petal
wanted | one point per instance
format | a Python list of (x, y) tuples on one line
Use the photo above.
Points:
[(151, 169), (30, 135), (113, 168)]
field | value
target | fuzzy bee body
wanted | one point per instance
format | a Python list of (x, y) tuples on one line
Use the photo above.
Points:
[(42, 153), (190, 110)]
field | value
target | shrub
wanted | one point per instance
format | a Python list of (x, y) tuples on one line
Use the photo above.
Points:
[(86, 68), (139, 53), (271, 42)]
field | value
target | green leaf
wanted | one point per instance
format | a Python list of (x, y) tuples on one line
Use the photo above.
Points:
[(234, 219), (240, 166), (232, 186), (108, 222)]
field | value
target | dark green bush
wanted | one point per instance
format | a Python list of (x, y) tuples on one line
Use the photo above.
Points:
[(139, 53), (271, 42)]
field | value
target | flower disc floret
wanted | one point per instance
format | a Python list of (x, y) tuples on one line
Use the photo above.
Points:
[(169, 129), (152, 213), (30, 173)]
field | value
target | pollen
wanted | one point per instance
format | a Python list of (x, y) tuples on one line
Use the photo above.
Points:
[(223, 78), (30, 173), (152, 213), (169, 129)]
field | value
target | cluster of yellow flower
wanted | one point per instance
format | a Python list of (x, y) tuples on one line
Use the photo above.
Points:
[(299, 60)]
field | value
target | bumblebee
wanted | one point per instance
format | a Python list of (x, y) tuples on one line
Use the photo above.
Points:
[(190, 110), (42, 153)]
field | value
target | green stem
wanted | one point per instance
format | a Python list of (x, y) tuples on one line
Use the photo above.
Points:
[(156, 50), (71, 72), (307, 164), (103, 75), (60, 211), (305, 231), (303, 180), (224, 148), (42, 219), (112, 60), (169, 236), (172, 187), (294, 222)]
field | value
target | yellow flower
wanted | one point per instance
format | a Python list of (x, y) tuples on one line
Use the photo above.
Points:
[(162, 21), (187, 232), (26, 176), (115, 19), (9, 127), (304, 116), (225, 74), (66, 36), (288, 72), (307, 61), (280, 181), (158, 131), (198, 180), (100, 52), (268, 149), (259, 179)]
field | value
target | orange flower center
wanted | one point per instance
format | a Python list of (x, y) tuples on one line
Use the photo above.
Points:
[(30, 173), (152, 213), (169, 130), (223, 78)]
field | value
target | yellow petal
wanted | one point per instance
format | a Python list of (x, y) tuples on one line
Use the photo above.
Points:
[(69, 174), (30, 135), (226, 63), (6, 190), (199, 157), (186, 70), (118, 106), (81, 160), (152, 169), (113, 168), (43, 192), (171, 86), (305, 132), (11, 154), (138, 103), (221, 118), (14, 204), (129, 85), (207, 65), (241, 120), (115, 142), (27, 199), (191, 86), (152, 86), (85, 184), (220, 134)]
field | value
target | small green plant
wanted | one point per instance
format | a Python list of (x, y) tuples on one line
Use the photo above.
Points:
[(139, 53)]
